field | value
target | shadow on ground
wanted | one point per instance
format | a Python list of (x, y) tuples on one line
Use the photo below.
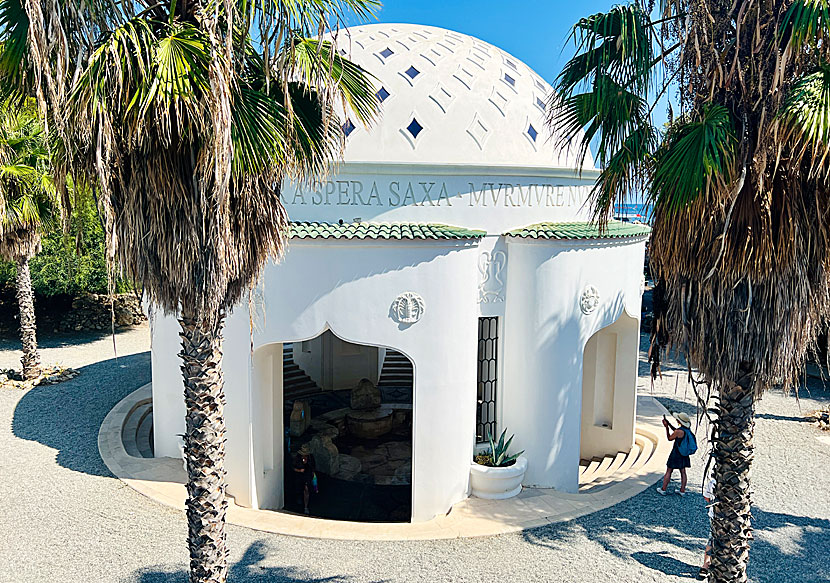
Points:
[(67, 416), (786, 547), (247, 570), (666, 564)]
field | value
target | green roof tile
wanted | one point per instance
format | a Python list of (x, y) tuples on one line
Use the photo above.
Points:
[(399, 231), (614, 230)]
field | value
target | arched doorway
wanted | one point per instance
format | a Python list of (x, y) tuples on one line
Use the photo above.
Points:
[(350, 406), (609, 383)]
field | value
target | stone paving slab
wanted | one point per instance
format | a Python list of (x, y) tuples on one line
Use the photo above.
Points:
[(163, 479)]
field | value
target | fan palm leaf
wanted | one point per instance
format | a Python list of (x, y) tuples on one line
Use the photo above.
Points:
[(806, 21), (805, 118), (600, 98), (696, 155), (626, 171), (617, 43)]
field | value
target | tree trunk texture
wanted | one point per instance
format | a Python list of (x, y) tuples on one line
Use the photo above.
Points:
[(28, 326), (204, 448), (733, 453)]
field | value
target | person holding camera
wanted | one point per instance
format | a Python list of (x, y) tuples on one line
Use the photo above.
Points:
[(684, 447)]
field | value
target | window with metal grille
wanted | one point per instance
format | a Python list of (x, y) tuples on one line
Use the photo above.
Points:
[(488, 347)]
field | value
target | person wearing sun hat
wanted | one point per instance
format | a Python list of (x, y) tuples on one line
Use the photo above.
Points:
[(679, 457), (304, 471)]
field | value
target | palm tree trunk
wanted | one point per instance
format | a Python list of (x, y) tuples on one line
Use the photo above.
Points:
[(733, 452), (204, 447), (28, 327)]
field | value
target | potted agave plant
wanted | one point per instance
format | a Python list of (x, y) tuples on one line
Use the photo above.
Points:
[(495, 474)]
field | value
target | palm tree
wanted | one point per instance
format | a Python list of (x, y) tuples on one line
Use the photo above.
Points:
[(27, 209), (187, 116), (741, 234)]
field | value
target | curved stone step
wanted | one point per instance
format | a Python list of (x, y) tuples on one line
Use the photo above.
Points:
[(598, 474), (631, 458), (144, 434), (647, 449), (591, 470), (616, 464), (129, 429)]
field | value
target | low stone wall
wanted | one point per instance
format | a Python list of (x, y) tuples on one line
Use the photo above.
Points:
[(94, 312)]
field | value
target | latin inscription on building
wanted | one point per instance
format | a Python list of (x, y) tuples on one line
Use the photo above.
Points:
[(428, 193)]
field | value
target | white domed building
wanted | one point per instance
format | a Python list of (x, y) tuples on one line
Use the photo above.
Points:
[(450, 261)]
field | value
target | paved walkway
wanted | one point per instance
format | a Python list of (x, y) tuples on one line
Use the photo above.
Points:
[(163, 479), (64, 517)]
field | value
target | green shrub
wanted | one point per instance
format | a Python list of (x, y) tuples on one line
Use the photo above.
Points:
[(70, 263)]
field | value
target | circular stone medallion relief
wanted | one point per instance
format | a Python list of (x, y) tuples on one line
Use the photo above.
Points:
[(589, 300), (408, 308)]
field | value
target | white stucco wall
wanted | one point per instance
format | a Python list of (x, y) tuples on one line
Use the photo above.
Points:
[(545, 333), (349, 287), (168, 389), (266, 421)]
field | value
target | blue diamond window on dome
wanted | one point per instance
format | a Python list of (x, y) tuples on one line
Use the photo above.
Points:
[(540, 102), (510, 80), (414, 128), (386, 53), (348, 127), (382, 94), (531, 131), (412, 72)]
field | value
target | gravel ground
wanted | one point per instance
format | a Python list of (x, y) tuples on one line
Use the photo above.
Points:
[(63, 517)]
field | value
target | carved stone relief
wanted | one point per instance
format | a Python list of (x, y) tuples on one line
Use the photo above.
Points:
[(491, 285), (408, 308), (589, 300)]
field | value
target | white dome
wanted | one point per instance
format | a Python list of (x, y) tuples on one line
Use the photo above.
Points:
[(449, 99)]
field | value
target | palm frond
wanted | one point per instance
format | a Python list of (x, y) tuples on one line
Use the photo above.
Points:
[(805, 118), (318, 66), (607, 113), (600, 96), (806, 21), (181, 66), (14, 26), (696, 155), (303, 17), (617, 43), (625, 173), (28, 205)]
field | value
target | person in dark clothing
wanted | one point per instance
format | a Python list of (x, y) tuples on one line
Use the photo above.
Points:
[(676, 460), (304, 472)]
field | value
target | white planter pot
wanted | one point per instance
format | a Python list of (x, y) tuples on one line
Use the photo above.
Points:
[(497, 483)]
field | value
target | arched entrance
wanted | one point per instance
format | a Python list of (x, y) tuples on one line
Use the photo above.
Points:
[(609, 383), (350, 406)]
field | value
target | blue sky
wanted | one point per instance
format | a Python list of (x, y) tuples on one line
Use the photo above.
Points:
[(533, 31)]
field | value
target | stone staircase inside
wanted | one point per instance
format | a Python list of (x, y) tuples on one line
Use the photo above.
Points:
[(397, 370), (396, 378), (599, 473), (296, 384)]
